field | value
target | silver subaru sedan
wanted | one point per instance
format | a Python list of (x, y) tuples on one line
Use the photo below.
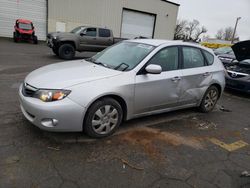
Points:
[(128, 80)]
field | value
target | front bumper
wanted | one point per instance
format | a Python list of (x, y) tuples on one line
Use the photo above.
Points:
[(239, 85), (66, 115)]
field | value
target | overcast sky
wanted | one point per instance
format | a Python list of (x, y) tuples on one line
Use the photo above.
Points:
[(216, 14)]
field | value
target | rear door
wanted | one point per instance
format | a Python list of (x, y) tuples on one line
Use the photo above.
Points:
[(196, 75), (159, 91)]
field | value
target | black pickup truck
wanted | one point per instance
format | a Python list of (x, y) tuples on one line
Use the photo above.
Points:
[(65, 44)]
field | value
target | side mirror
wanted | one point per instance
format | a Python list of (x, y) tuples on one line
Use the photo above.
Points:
[(83, 33), (153, 69)]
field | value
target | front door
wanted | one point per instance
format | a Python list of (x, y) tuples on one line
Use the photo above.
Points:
[(159, 91), (88, 39)]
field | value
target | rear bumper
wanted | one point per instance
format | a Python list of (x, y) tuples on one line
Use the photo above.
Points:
[(239, 85), (59, 116)]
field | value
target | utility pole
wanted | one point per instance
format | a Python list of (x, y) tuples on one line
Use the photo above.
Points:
[(237, 20)]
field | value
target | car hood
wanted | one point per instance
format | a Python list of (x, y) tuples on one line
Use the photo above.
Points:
[(66, 74), (231, 56), (61, 34), (242, 50)]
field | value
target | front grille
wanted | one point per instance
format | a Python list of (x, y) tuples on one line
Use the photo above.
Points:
[(28, 90), (236, 75)]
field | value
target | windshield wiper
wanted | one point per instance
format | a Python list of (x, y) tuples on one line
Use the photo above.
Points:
[(96, 62), (125, 68)]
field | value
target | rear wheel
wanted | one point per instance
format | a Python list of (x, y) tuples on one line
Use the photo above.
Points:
[(210, 99), (103, 118), (66, 51)]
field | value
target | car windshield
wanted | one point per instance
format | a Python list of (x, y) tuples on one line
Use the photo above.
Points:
[(25, 26), (123, 56), (77, 30), (224, 50)]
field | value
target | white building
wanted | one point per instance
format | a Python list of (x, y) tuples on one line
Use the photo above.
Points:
[(127, 18)]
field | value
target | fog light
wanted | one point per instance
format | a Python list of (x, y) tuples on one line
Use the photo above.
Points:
[(49, 122)]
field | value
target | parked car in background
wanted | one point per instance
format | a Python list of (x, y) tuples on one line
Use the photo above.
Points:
[(131, 79), (225, 54), (238, 73), (24, 30), (65, 44)]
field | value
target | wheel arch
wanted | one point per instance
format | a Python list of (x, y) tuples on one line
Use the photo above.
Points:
[(218, 86), (116, 97), (68, 42)]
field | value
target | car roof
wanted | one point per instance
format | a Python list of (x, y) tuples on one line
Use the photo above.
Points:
[(24, 21), (159, 42)]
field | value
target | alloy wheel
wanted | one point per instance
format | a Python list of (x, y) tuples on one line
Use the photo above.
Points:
[(105, 119), (211, 99)]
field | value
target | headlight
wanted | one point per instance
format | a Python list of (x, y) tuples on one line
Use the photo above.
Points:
[(54, 37), (51, 95)]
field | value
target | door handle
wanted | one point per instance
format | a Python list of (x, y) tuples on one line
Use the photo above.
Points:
[(207, 74), (175, 79)]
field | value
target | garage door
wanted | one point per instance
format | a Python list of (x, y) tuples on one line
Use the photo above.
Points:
[(34, 10), (135, 24)]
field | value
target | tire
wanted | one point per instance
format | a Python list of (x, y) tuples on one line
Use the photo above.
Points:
[(55, 51), (209, 100), (15, 37), (35, 40), (103, 118), (66, 51)]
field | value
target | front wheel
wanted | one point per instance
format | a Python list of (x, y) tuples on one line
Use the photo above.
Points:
[(66, 51), (103, 118), (209, 100)]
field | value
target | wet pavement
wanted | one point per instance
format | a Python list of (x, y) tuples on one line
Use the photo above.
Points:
[(178, 149)]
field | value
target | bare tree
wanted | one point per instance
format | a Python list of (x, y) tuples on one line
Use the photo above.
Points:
[(228, 33), (180, 29), (198, 32), (220, 34), (188, 30), (191, 27)]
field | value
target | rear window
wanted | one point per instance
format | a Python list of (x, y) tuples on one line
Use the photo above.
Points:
[(209, 57), (104, 32)]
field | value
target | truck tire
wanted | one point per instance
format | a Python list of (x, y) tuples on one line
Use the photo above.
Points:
[(66, 51)]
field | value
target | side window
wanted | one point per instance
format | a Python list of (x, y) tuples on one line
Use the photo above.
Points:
[(167, 58), (209, 57), (192, 57), (104, 32), (91, 32)]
